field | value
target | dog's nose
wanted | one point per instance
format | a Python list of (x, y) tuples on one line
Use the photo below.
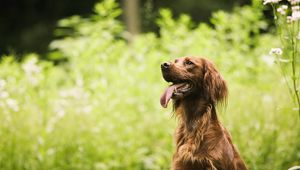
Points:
[(165, 65)]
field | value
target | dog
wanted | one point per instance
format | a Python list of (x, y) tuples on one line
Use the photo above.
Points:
[(202, 143)]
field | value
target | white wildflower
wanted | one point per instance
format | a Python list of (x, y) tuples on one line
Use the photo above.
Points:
[(289, 19), (282, 9), (31, 70), (295, 8), (271, 1), (285, 7), (294, 2), (73, 93), (276, 51), (295, 15), (31, 67), (13, 104)]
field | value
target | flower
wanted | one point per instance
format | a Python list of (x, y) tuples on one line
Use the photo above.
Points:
[(13, 104), (31, 67), (271, 1), (293, 2), (289, 19), (282, 9), (295, 16), (295, 8), (276, 51)]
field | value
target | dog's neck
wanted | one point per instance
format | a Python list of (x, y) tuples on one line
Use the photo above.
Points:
[(192, 110)]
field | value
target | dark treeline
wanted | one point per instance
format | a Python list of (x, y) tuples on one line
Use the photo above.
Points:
[(28, 25)]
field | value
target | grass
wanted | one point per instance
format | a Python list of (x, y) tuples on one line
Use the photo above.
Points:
[(100, 109)]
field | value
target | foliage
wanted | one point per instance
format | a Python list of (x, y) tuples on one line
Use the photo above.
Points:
[(287, 18), (100, 109)]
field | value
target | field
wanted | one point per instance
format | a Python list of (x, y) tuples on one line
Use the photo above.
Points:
[(94, 104)]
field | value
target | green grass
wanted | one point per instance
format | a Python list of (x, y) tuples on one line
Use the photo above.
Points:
[(100, 109)]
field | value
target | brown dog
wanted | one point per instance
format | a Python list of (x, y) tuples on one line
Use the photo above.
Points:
[(202, 143)]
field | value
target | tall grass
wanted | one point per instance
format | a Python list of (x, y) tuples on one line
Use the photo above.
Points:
[(100, 109)]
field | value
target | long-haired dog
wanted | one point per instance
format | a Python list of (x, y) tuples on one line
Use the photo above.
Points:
[(202, 143)]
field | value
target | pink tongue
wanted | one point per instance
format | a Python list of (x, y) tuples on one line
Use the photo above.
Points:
[(166, 96)]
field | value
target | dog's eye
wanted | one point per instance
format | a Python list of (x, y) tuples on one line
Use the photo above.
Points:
[(189, 63)]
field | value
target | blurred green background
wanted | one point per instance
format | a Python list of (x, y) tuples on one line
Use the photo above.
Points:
[(28, 25), (83, 92)]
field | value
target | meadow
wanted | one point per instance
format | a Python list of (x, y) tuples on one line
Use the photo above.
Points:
[(94, 103)]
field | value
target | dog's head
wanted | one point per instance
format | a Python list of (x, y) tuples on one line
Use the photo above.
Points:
[(192, 76)]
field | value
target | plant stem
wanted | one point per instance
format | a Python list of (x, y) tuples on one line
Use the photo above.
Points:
[(294, 77), (281, 34)]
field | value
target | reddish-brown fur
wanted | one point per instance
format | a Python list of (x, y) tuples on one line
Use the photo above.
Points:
[(201, 141)]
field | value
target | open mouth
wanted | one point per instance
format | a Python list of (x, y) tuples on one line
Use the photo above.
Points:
[(176, 90)]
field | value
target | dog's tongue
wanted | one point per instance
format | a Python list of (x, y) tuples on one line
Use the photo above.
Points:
[(166, 96)]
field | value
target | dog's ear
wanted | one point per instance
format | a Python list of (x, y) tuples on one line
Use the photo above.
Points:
[(214, 86)]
